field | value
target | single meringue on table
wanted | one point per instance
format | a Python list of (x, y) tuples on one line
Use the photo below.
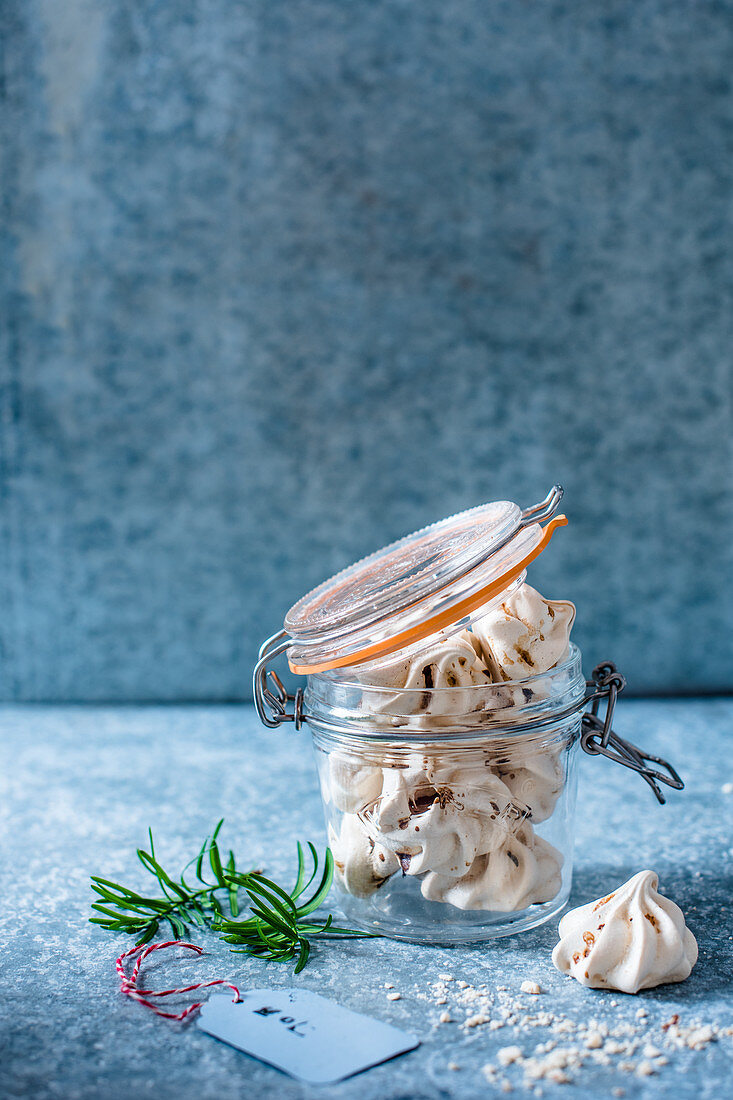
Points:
[(630, 940)]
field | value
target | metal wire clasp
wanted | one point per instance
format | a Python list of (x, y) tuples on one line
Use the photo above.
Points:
[(271, 702), (598, 738), (544, 509)]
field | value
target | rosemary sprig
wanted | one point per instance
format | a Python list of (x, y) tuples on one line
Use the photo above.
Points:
[(277, 927)]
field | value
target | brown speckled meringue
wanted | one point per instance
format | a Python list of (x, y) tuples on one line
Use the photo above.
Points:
[(426, 828), (630, 940), (443, 662), (524, 870), (525, 635)]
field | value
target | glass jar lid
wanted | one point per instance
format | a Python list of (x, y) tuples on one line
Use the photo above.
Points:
[(424, 582)]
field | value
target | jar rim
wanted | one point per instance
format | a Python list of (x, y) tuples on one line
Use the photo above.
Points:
[(527, 681), (342, 707)]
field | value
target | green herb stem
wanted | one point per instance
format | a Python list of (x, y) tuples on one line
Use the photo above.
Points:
[(275, 928)]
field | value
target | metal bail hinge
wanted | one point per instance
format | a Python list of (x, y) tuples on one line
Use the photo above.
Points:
[(598, 738), (270, 695)]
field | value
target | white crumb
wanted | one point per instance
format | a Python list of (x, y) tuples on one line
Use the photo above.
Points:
[(558, 1076), (508, 1055)]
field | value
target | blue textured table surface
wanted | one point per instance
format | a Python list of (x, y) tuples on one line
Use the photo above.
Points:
[(81, 785)]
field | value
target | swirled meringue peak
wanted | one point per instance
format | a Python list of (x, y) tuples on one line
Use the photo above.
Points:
[(525, 635), (630, 940)]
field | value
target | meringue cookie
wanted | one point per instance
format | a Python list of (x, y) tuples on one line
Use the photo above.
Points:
[(445, 845), (361, 865), (426, 828), (443, 663), (525, 635), (523, 871), (482, 793), (351, 784), (630, 940), (535, 780), (403, 791)]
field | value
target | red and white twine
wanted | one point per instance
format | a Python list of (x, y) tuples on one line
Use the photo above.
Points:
[(129, 984)]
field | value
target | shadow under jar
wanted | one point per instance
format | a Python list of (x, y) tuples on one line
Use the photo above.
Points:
[(450, 812)]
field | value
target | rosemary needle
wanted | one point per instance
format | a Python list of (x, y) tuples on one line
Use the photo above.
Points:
[(277, 926)]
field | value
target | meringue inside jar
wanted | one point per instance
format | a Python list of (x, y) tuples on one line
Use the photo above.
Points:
[(449, 809)]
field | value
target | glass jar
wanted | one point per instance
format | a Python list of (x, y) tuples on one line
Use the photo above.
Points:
[(450, 812), (449, 809)]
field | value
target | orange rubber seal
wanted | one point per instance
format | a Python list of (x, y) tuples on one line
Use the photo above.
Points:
[(444, 618)]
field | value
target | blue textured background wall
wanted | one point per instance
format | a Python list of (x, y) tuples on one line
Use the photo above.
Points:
[(288, 279)]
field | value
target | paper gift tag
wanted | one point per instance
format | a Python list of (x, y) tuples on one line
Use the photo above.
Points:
[(302, 1033)]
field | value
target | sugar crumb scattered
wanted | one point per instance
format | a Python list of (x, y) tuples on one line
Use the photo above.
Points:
[(506, 1056), (558, 1076)]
